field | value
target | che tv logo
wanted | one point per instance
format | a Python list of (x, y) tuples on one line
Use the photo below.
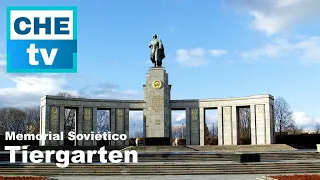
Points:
[(41, 39)]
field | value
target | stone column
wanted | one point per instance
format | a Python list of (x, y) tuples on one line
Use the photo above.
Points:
[(79, 124), (235, 126), (253, 124), (261, 124), (227, 125), (188, 126), (113, 124), (220, 126), (202, 127), (54, 124), (62, 119), (157, 97), (273, 138), (45, 113), (45, 123), (87, 125), (126, 125), (144, 123), (120, 125), (269, 123), (94, 124), (195, 126)]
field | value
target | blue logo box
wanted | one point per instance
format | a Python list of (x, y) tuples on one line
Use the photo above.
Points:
[(41, 39)]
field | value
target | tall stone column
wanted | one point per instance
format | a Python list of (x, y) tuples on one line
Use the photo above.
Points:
[(188, 126), (61, 119), (194, 126), (126, 125), (120, 124), (227, 125), (261, 124), (202, 127), (54, 127), (144, 123), (269, 115), (273, 136), (94, 124), (88, 125), (54, 123), (253, 124), (220, 126), (157, 97), (79, 124), (235, 126), (113, 124), (44, 123)]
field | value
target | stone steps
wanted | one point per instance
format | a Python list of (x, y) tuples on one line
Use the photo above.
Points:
[(160, 169), (169, 157), (223, 157)]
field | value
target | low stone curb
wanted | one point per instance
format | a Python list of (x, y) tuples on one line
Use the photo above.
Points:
[(126, 148), (266, 178)]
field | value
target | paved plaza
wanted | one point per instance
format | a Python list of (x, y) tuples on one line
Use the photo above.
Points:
[(167, 177)]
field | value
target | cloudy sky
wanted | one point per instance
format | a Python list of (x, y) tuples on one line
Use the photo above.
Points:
[(214, 49)]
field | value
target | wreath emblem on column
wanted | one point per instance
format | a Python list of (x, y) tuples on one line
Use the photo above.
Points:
[(157, 84), (119, 112), (194, 112), (87, 112), (54, 110), (226, 110)]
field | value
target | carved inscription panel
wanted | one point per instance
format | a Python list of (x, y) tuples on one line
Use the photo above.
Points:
[(157, 103)]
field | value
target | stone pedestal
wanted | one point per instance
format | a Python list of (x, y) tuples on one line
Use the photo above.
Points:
[(157, 112)]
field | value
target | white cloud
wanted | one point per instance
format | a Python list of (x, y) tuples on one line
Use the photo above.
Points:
[(179, 116), (217, 52), (276, 16), (307, 50), (197, 57), (2, 65), (30, 88), (2, 62), (305, 121), (108, 91), (212, 118)]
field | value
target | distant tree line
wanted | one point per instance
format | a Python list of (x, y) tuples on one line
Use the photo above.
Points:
[(20, 120)]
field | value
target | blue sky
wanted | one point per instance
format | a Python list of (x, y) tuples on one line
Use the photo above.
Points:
[(214, 49)]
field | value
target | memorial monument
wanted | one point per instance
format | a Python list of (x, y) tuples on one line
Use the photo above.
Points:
[(157, 106)]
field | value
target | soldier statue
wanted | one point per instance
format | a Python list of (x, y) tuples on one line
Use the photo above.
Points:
[(156, 51)]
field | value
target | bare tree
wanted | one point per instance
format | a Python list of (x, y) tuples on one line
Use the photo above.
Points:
[(32, 120), (214, 130), (16, 120), (3, 120), (70, 114), (282, 115), (317, 128), (103, 121), (179, 131), (294, 129), (65, 94), (244, 122), (206, 130)]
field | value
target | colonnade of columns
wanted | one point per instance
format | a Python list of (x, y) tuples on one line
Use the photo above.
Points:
[(262, 124), (53, 120)]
